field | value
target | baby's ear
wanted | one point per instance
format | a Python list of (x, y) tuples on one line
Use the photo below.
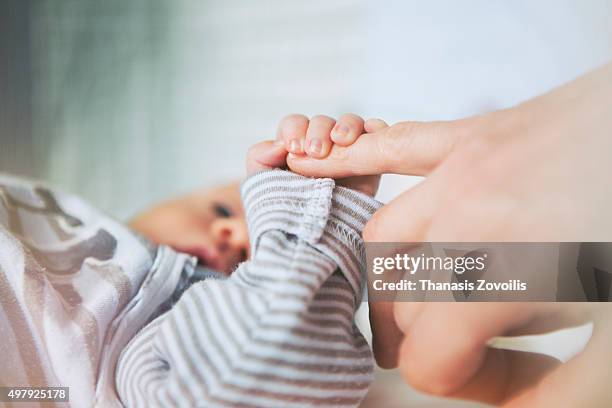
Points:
[(266, 156)]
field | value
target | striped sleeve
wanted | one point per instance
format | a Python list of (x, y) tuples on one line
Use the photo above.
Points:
[(279, 332)]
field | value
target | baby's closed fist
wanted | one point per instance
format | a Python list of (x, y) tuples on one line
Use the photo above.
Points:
[(310, 147), (315, 137), (315, 144)]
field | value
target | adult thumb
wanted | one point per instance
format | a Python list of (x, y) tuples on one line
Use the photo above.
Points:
[(410, 148)]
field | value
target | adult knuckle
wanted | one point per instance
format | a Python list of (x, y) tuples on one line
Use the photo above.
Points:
[(424, 376), (420, 382)]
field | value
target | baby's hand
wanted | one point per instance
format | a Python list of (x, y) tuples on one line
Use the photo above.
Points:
[(316, 137), (266, 155), (306, 140), (313, 140)]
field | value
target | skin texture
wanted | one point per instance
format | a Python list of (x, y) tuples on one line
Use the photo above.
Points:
[(539, 171)]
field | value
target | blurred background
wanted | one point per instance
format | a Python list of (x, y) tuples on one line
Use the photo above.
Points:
[(128, 103)]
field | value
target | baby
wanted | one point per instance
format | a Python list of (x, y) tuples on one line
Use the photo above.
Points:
[(85, 302), (211, 225)]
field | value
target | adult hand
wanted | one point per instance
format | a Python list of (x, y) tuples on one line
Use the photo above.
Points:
[(443, 352), (536, 172)]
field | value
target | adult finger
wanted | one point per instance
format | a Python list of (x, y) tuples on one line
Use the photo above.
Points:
[(374, 125), (445, 347), (584, 380), (411, 148), (505, 376), (365, 184)]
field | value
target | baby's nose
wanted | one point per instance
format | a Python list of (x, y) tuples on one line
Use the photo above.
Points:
[(231, 236)]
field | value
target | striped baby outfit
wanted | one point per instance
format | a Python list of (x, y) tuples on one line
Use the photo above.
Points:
[(85, 303), (279, 332)]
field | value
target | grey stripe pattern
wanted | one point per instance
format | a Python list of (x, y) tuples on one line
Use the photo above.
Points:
[(279, 332)]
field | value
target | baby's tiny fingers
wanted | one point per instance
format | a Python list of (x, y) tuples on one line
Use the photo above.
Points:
[(266, 156), (317, 143), (348, 128), (292, 131)]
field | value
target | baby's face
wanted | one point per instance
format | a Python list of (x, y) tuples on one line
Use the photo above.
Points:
[(208, 224)]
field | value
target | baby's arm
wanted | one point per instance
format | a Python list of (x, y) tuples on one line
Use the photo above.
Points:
[(279, 332)]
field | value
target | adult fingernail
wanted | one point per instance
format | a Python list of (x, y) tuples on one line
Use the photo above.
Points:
[(279, 143), (315, 147), (341, 131)]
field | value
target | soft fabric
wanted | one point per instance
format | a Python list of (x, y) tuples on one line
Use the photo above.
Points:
[(75, 287), (279, 332)]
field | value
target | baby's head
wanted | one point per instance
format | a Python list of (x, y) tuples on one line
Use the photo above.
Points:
[(208, 224)]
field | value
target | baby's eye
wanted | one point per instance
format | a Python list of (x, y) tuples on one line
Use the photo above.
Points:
[(222, 211)]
